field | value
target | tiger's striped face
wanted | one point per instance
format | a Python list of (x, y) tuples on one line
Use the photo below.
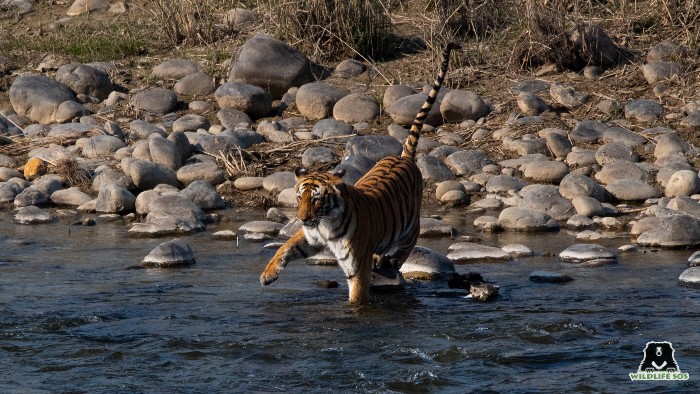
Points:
[(317, 196)]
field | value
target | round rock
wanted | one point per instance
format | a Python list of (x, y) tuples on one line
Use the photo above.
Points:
[(37, 97), (207, 171), (526, 220), (545, 171), (158, 101), (426, 264), (316, 100), (203, 194), (72, 196), (252, 100), (175, 68), (432, 168), (195, 84), (266, 61), (643, 110), (374, 147), (683, 183), (356, 108), (279, 181), (113, 198), (171, 254), (460, 105), (632, 190)]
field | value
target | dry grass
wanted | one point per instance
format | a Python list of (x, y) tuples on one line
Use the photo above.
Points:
[(334, 29), (193, 22), (69, 169)]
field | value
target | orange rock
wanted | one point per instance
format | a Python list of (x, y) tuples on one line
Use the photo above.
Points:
[(34, 168)]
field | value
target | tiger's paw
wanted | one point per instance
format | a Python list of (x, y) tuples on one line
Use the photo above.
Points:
[(268, 276)]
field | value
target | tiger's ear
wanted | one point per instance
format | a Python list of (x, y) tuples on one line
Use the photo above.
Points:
[(338, 173), (300, 172)]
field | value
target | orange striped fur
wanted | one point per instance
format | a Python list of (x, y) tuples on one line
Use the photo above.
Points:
[(371, 227)]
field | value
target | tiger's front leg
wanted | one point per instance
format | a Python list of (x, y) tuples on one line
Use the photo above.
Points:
[(295, 248)]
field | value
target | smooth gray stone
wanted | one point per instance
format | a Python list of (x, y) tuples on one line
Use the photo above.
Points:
[(84, 79), (426, 264), (204, 195), (270, 63), (170, 254), (37, 97), (579, 253), (158, 101), (113, 198)]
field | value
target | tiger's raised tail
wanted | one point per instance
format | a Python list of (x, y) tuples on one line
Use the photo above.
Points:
[(409, 148)]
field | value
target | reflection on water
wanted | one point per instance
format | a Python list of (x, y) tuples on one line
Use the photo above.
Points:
[(74, 318)]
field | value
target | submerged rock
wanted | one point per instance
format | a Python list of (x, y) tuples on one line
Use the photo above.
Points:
[(549, 277), (580, 253)]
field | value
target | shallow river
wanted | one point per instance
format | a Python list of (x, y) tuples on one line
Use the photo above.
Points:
[(75, 318)]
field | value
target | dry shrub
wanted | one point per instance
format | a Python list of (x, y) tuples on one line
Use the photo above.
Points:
[(544, 37), (473, 18), (683, 15), (334, 29), (69, 169), (193, 22)]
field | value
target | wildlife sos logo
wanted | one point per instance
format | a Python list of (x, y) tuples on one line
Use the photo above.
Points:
[(659, 363)]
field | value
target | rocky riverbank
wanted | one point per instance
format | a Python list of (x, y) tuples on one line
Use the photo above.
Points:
[(541, 155)]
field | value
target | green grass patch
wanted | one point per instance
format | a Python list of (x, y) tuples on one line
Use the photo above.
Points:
[(82, 43)]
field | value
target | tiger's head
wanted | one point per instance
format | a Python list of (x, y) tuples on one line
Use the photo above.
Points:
[(318, 196)]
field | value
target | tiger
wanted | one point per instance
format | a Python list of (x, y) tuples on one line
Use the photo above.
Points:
[(371, 227)]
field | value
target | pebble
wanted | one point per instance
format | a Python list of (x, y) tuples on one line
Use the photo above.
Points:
[(526, 220), (518, 250)]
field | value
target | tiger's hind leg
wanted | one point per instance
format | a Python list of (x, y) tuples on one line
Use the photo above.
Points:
[(390, 264)]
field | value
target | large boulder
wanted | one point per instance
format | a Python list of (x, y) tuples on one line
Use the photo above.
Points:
[(38, 98), (271, 64)]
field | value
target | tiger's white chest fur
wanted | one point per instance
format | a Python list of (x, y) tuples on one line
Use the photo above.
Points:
[(323, 236)]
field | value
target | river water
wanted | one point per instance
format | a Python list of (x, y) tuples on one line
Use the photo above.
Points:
[(75, 317)]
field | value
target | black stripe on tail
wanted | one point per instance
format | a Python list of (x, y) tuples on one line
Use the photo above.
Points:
[(409, 148)]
